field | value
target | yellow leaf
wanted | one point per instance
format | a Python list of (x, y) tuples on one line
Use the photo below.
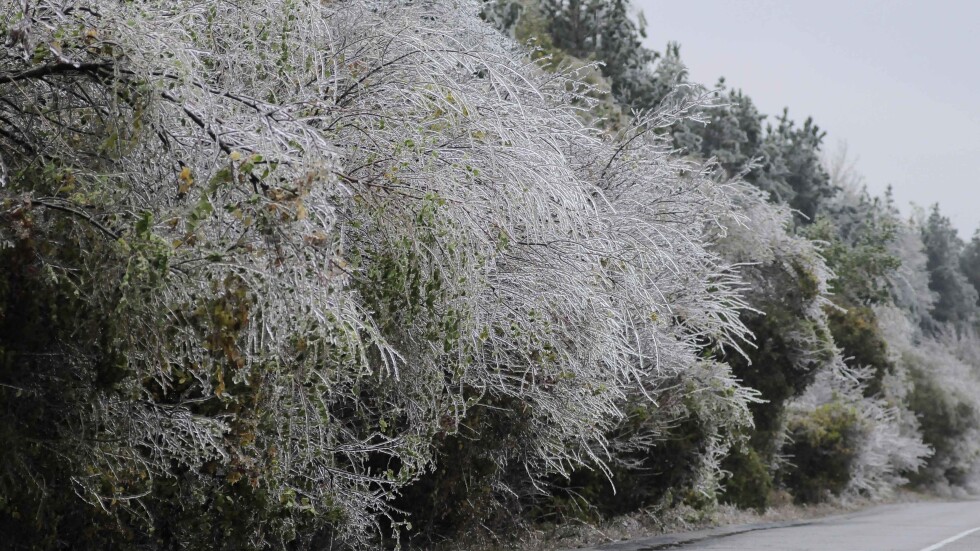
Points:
[(186, 180), (316, 239)]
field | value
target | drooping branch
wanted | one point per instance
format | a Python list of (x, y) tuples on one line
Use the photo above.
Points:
[(54, 69), (48, 203)]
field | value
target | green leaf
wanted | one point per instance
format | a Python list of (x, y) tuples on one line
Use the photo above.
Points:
[(144, 224)]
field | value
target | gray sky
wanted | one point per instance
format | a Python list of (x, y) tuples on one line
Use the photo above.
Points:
[(898, 80)]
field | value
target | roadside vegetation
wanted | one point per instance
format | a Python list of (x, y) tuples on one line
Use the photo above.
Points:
[(369, 274)]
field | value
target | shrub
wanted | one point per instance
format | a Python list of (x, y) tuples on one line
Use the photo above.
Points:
[(823, 445)]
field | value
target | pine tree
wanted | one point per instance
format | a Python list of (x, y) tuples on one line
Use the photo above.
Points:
[(956, 302), (603, 30), (970, 262)]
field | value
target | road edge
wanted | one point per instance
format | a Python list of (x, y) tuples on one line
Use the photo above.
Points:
[(667, 541)]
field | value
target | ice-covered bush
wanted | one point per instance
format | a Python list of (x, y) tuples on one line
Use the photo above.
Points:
[(286, 251)]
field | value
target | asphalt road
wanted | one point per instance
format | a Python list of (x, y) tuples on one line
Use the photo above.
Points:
[(931, 526), (953, 526)]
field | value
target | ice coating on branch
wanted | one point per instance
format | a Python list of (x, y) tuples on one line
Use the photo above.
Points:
[(333, 230)]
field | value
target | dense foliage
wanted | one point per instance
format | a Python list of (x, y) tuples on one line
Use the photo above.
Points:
[(837, 374), (299, 275)]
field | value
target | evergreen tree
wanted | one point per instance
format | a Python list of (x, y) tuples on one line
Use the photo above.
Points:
[(956, 302), (970, 262), (783, 160), (573, 24), (792, 171), (603, 30), (733, 135)]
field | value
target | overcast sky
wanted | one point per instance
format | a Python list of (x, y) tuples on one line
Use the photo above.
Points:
[(898, 80)]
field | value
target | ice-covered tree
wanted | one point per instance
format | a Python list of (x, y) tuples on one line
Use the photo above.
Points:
[(956, 298), (610, 32), (283, 253), (970, 262)]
